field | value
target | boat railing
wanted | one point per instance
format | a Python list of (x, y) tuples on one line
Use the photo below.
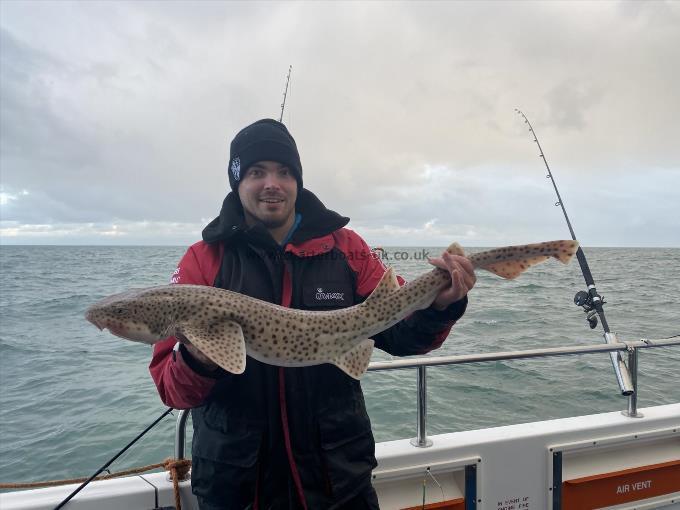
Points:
[(616, 348)]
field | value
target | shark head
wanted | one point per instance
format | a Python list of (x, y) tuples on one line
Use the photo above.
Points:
[(130, 316)]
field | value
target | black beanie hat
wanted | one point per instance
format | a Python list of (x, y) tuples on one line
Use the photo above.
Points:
[(264, 140)]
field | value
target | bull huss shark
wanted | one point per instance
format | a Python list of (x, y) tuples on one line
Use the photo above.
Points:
[(227, 326)]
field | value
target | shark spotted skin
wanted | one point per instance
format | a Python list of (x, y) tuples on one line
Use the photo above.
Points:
[(226, 326)]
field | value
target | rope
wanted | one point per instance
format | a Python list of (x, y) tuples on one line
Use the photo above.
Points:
[(178, 471), (53, 483)]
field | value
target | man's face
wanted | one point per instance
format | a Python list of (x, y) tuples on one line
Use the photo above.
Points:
[(268, 191)]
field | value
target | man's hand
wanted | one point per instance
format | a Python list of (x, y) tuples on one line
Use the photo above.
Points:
[(462, 279), (195, 353)]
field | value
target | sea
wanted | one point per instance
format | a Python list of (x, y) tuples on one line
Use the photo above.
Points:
[(71, 396)]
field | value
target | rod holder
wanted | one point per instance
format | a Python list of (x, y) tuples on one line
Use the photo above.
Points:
[(421, 440), (632, 411), (622, 373)]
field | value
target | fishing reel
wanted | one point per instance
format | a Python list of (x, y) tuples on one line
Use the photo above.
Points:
[(585, 300)]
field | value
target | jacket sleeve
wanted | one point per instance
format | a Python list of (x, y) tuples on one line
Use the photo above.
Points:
[(419, 333), (181, 382)]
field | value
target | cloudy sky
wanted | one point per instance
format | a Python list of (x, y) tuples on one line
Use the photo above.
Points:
[(116, 117)]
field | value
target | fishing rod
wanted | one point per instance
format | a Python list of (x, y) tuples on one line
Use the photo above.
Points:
[(285, 92), (591, 301), (101, 469)]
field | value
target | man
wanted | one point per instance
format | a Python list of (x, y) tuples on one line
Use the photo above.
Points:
[(286, 438)]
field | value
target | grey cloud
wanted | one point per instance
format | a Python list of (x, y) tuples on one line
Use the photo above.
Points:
[(125, 110), (30, 125), (569, 102), (662, 14)]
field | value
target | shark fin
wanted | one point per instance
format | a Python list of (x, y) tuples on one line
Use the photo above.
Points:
[(355, 362), (388, 284), (222, 342)]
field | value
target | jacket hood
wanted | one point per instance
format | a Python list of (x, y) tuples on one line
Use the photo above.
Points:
[(317, 220)]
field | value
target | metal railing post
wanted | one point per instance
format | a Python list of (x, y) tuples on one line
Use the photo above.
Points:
[(180, 443), (180, 434), (632, 411), (421, 440)]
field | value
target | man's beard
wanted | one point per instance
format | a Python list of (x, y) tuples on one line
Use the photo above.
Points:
[(272, 224)]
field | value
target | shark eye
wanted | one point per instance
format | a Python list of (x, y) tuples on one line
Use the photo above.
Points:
[(118, 311)]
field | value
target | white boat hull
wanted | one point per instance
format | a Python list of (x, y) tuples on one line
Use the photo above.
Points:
[(514, 469)]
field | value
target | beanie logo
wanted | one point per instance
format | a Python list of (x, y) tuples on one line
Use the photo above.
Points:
[(236, 168)]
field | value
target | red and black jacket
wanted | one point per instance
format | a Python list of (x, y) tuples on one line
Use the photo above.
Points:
[(271, 432)]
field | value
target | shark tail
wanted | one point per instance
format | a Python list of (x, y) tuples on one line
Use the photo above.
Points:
[(511, 261)]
